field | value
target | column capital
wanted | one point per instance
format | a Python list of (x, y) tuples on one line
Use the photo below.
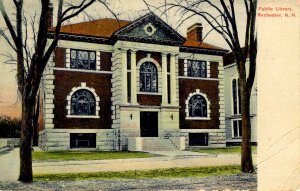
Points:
[(164, 54), (174, 54), (132, 51), (122, 50)]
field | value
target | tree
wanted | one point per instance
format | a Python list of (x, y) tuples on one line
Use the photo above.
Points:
[(222, 17), (30, 66)]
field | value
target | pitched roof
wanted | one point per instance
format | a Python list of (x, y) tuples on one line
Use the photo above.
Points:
[(97, 28), (198, 44), (105, 28)]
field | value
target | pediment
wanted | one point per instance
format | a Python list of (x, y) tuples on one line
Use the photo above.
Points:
[(151, 29)]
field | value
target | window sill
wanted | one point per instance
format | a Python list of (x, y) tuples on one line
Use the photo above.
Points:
[(83, 116), (197, 118), (237, 138), (149, 93)]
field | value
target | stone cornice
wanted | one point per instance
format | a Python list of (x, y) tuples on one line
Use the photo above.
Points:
[(80, 38), (203, 51)]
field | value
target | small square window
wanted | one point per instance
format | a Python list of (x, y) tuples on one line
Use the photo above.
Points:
[(84, 60), (196, 68)]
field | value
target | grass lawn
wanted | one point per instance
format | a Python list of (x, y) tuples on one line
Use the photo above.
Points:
[(142, 174), (87, 155), (227, 150)]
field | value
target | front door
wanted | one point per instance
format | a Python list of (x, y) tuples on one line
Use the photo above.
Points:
[(149, 124)]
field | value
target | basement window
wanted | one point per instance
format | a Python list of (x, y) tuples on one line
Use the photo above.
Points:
[(198, 139), (83, 140)]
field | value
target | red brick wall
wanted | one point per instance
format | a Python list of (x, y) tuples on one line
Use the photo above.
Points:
[(214, 71), (210, 88), (64, 82), (144, 99), (181, 67), (59, 57), (105, 61), (142, 54)]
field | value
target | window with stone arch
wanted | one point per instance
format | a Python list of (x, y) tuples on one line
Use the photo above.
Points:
[(83, 102), (197, 106), (148, 77)]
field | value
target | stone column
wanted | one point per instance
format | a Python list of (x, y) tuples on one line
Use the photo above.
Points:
[(133, 78), (124, 77), (173, 79), (164, 77)]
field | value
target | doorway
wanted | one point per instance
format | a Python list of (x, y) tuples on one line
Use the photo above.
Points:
[(149, 124)]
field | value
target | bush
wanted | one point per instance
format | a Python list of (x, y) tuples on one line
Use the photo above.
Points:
[(9, 127)]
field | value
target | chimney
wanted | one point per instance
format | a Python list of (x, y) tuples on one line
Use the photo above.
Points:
[(194, 32), (50, 15)]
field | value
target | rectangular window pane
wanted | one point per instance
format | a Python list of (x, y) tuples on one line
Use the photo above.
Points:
[(239, 97), (234, 96), (196, 68), (235, 129), (240, 128), (85, 60)]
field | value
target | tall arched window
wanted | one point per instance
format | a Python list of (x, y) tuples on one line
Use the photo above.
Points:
[(148, 77), (197, 106), (83, 103)]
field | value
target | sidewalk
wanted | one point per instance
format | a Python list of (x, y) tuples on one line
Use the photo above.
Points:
[(9, 163)]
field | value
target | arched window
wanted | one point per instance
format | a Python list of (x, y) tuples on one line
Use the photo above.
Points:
[(197, 106), (148, 77), (83, 103)]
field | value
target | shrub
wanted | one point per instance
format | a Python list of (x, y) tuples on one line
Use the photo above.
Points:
[(9, 127)]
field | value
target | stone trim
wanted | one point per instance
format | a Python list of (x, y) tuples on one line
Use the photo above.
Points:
[(79, 70), (187, 106), (85, 45), (83, 116), (193, 56), (197, 78), (98, 60), (149, 93), (68, 58), (48, 89), (221, 96), (197, 118), (149, 33), (92, 90), (147, 47)]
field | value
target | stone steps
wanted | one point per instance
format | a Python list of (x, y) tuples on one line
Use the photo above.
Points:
[(157, 144)]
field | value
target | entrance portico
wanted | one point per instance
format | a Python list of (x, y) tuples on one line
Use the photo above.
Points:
[(145, 100)]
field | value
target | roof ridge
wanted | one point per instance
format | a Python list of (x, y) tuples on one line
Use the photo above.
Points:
[(95, 21)]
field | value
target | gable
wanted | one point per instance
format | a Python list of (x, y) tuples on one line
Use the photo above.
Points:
[(150, 29)]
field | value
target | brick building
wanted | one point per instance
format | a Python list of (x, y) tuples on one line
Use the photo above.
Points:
[(140, 85)]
